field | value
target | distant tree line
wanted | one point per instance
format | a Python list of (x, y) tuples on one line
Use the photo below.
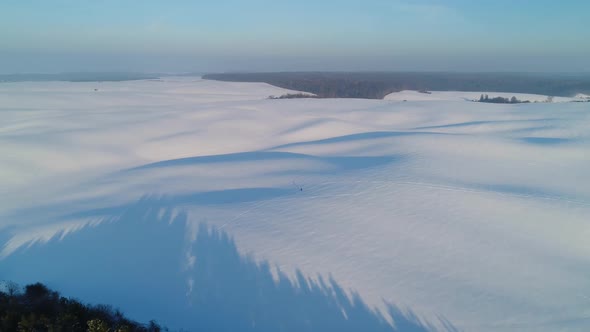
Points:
[(376, 85), (36, 308), (501, 100)]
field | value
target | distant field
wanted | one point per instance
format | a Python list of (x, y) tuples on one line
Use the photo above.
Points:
[(376, 85), (77, 77)]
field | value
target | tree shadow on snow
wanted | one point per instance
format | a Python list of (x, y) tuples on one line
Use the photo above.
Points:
[(140, 261)]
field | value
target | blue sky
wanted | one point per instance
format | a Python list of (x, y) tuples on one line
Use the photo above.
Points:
[(222, 35)]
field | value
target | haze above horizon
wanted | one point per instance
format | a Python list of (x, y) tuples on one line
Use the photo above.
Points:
[(345, 35)]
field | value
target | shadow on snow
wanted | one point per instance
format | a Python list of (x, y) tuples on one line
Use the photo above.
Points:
[(341, 163), (141, 259)]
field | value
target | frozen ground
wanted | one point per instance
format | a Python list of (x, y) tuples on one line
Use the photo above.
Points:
[(472, 216)]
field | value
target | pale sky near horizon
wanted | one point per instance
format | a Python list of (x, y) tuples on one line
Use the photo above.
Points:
[(257, 35)]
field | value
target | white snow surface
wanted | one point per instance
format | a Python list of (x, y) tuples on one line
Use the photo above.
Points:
[(478, 213)]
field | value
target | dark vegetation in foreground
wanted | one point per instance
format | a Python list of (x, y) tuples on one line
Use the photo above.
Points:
[(376, 85), (40, 309)]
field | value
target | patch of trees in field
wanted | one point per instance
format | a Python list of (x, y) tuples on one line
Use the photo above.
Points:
[(501, 100), (376, 85), (293, 96), (36, 308)]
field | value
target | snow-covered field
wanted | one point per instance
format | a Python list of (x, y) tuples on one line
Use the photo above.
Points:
[(468, 215), (410, 95)]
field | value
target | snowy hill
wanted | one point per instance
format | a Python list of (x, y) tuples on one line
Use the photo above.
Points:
[(206, 205), (409, 95)]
